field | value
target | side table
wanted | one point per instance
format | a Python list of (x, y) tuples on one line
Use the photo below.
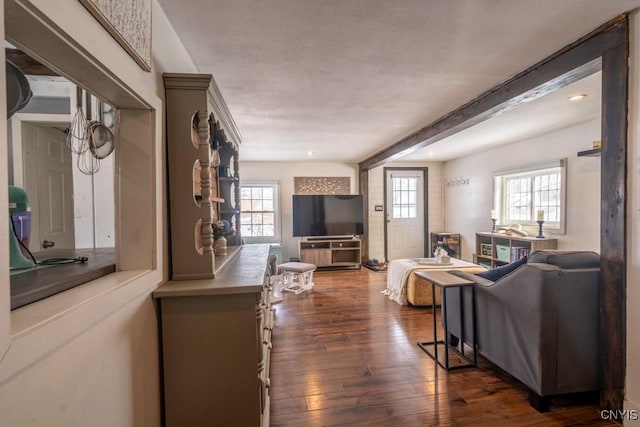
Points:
[(446, 281)]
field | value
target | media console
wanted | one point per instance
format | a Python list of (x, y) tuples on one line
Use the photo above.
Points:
[(331, 252)]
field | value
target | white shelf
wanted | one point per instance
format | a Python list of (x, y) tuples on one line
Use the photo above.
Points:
[(492, 240)]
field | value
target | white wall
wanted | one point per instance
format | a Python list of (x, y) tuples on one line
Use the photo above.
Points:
[(468, 207), (632, 382), (105, 376), (89, 356), (283, 173), (376, 197)]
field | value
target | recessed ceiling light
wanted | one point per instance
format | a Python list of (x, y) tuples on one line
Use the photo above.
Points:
[(310, 153), (430, 153), (577, 97)]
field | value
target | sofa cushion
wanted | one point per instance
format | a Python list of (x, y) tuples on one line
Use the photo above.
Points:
[(566, 259), (498, 272)]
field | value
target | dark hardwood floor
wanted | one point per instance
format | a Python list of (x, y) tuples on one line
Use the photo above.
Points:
[(344, 354)]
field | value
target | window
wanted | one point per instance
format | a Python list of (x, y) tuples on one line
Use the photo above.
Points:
[(405, 196), (520, 195), (258, 212)]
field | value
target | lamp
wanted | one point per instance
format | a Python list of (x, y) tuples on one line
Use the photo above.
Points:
[(494, 219), (540, 221)]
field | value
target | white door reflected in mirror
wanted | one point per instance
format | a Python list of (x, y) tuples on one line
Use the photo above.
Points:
[(69, 209)]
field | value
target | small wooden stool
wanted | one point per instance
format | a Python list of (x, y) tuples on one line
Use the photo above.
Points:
[(301, 271)]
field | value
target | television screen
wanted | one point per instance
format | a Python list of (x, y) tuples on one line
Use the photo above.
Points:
[(327, 215)]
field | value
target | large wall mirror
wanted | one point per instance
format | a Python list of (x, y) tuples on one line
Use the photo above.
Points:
[(60, 143)]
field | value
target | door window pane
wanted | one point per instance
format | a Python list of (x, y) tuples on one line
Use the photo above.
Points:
[(404, 197)]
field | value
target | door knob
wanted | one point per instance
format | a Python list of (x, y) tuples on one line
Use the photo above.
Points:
[(47, 244)]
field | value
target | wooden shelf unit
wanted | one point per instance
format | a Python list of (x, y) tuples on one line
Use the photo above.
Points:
[(494, 249), (193, 185), (197, 195), (331, 253)]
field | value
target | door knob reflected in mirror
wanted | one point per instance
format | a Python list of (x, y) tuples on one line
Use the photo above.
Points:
[(47, 244)]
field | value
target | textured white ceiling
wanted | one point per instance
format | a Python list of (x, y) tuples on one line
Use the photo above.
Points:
[(347, 78)]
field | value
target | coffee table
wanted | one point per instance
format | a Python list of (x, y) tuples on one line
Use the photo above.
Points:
[(446, 281)]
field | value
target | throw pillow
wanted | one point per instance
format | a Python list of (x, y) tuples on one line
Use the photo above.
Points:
[(498, 272)]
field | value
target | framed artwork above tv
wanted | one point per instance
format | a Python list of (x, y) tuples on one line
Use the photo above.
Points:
[(322, 185)]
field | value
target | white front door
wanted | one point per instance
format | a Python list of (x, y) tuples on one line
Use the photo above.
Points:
[(405, 214), (49, 183)]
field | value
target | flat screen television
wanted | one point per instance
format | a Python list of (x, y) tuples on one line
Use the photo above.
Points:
[(327, 215)]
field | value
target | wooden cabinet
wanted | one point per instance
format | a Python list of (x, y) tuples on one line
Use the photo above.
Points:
[(493, 249), (318, 257), (216, 344), (196, 125), (216, 334), (331, 253)]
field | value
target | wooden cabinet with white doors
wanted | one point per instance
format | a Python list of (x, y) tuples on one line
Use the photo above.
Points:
[(216, 345)]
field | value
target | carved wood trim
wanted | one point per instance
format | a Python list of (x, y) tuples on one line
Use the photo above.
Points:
[(206, 206)]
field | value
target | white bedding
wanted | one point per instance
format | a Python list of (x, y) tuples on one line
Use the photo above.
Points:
[(399, 270)]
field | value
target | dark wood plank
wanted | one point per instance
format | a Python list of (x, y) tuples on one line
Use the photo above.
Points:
[(35, 284), (443, 278), (344, 354), (613, 173), (27, 64)]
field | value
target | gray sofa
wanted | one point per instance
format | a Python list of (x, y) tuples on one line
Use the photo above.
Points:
[(539, 323)]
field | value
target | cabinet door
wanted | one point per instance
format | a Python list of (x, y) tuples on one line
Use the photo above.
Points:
[(318, 257)]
